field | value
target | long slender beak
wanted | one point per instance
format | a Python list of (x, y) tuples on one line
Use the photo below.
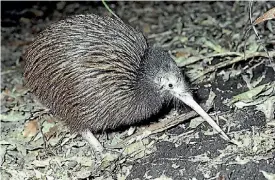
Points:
[(188, 99)]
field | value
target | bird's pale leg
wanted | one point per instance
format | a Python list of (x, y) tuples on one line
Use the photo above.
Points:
[(92, 140)]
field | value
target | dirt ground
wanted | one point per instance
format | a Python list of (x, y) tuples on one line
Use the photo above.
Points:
[(231, 72)]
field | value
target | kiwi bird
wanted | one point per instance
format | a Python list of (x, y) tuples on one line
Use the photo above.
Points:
[(97, 73)]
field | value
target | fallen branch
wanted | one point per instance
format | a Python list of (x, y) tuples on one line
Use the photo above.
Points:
[(200, 58), (233, 61), (158, 127)]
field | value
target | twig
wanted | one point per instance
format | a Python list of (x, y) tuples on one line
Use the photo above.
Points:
[(233, 61), (256, 32), (196, 59), (158, 127), (42, 133), (109, 9)]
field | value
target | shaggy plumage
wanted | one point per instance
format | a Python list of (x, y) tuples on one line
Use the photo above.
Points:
[(96, 73)]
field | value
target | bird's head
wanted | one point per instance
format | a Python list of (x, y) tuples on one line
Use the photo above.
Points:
[(164, 74), (170, 83)]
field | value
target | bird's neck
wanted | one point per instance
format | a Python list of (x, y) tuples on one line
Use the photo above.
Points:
[(147, 95), (147, 99)]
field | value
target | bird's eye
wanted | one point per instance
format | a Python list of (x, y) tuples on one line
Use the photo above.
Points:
[(170, 85)]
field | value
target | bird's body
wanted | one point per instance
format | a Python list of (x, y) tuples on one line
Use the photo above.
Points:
[(93, 72), (97, 73)]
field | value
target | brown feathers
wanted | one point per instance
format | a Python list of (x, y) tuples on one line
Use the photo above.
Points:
[(88, 70)]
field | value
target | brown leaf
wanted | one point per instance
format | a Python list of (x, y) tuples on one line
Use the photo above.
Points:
[(270, 14), (31, 128), (182, 54)]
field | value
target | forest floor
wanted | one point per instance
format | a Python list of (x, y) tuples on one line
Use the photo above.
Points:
[(208, 41)]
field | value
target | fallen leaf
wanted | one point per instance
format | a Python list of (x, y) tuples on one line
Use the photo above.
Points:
[(163, 177), (3, 150), (195, 122), (14, 116), (31, 128), (268, 176), (182, 54), (267, 108), (270, 14), (213, 45), (249, 95)]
